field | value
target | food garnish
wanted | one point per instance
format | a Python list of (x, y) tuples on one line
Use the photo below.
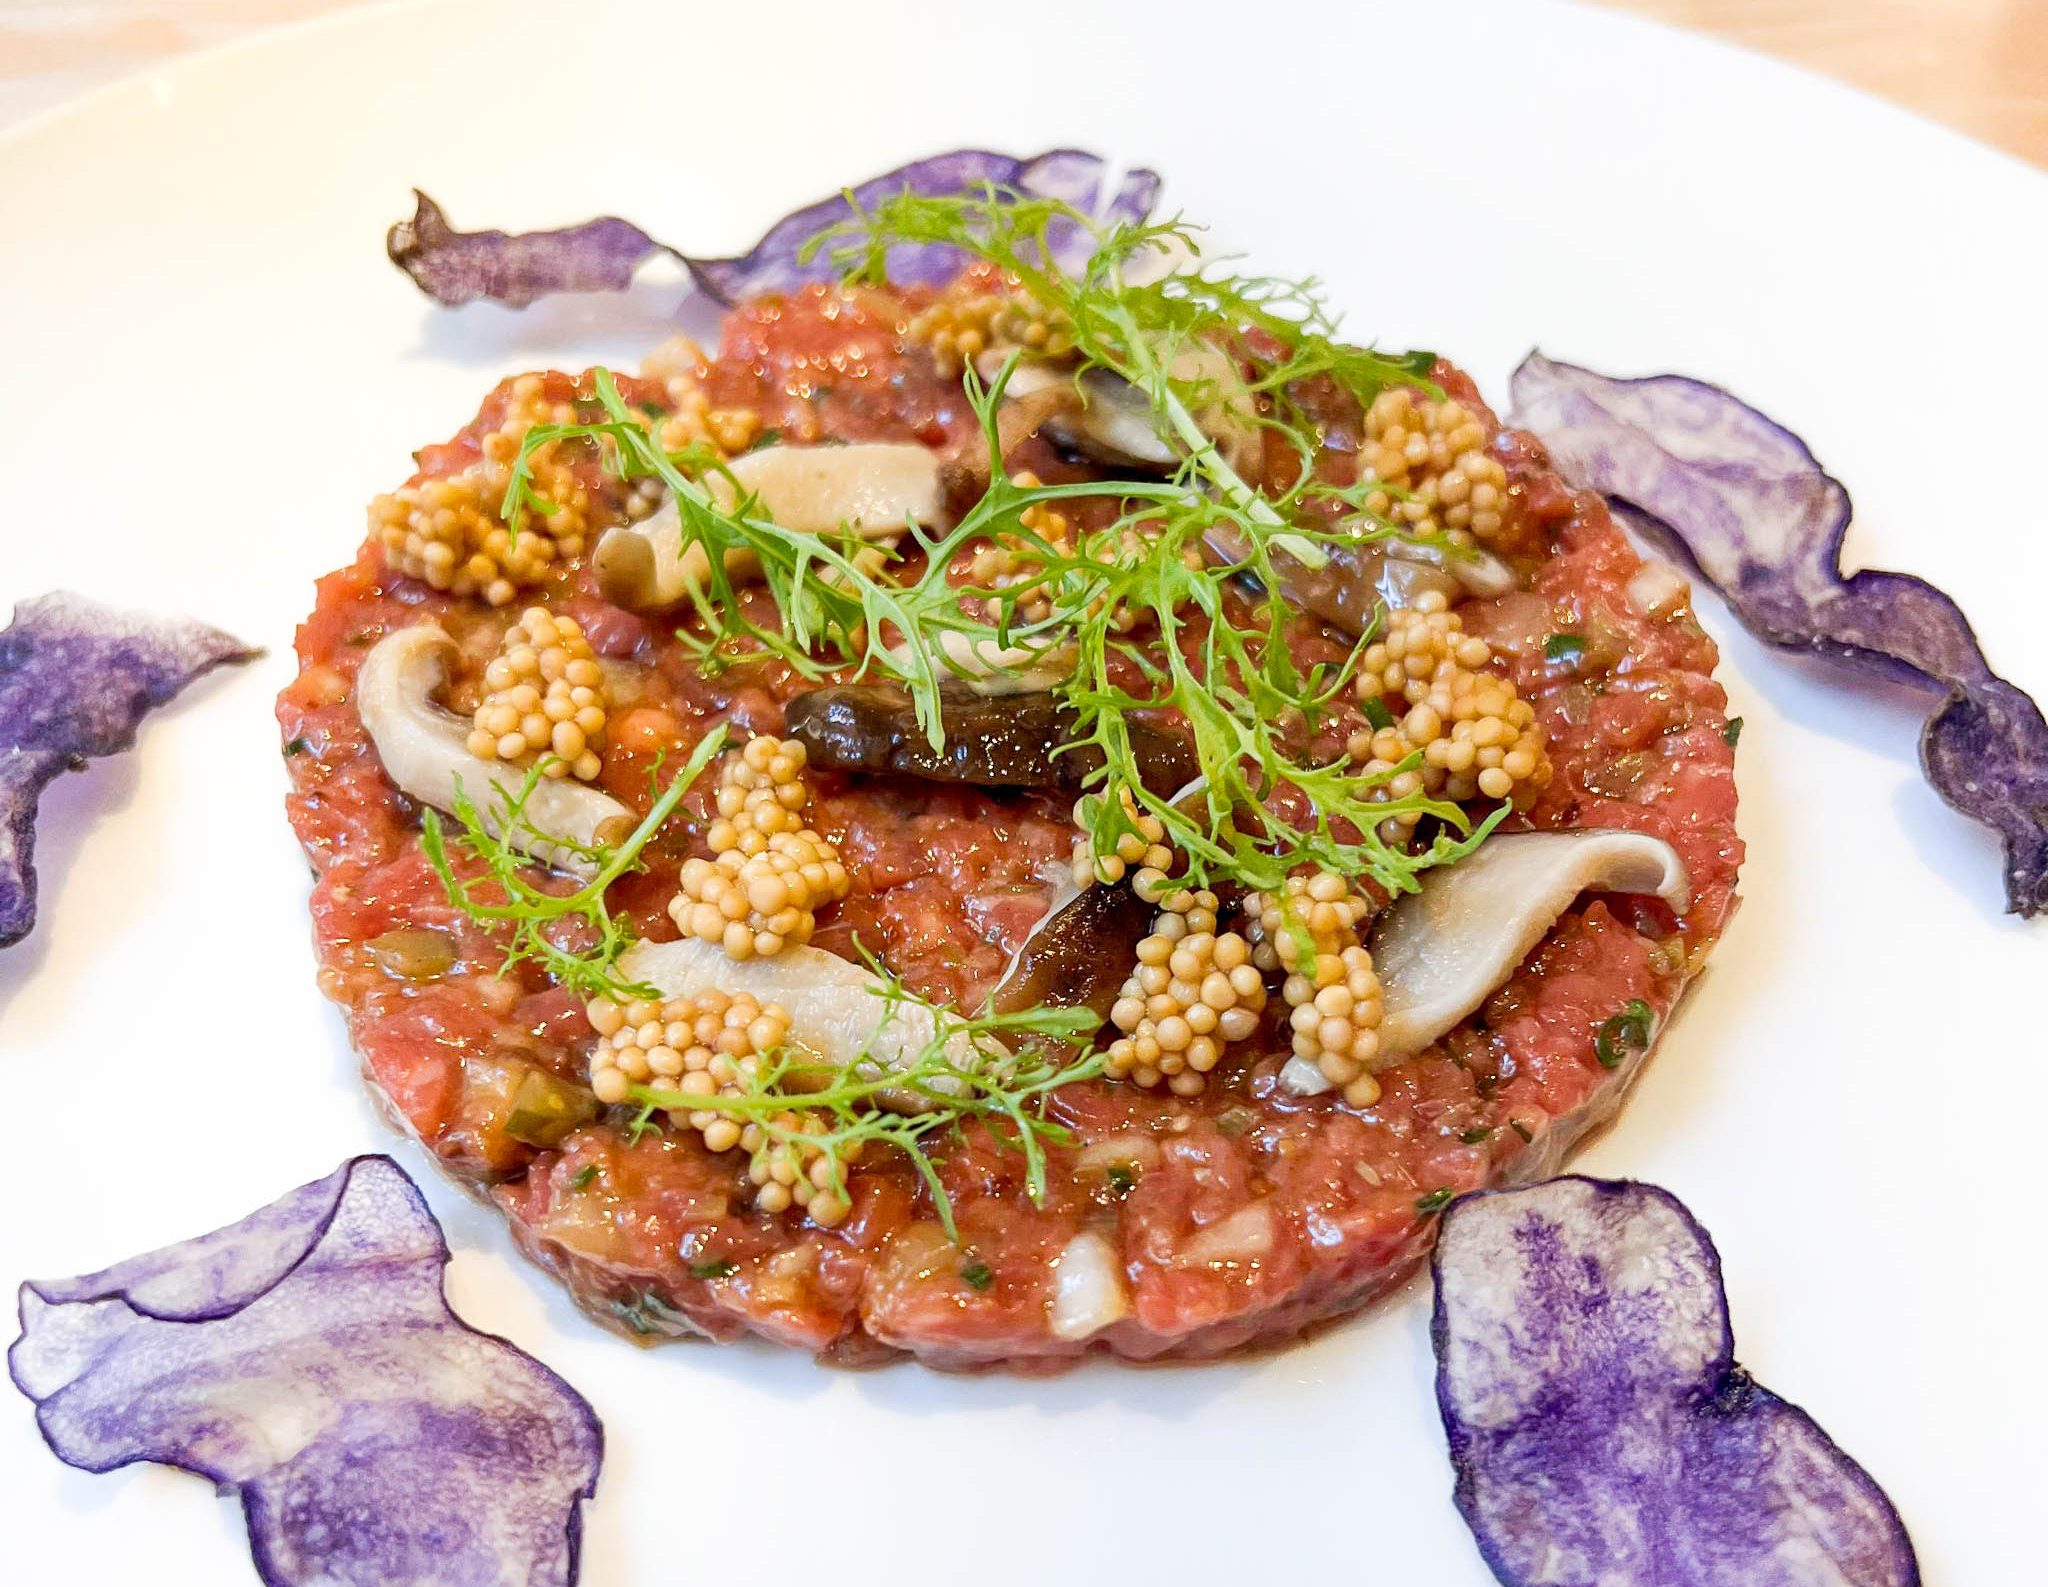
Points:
[(1441, 950), (835, 1069), (498, 890), (546, 699), (76, 680), (455, 267), (1599, 1426), (426, 751), (1750, 505), (306, 1360)]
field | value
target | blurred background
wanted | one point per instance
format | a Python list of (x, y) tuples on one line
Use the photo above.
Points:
[(1981, 66)]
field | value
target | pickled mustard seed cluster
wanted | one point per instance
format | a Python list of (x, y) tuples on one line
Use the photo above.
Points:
[(769, 873), (447, 533), (1433, 458), (1194, 991), (712, 1045), (1478, 738), (694, 1044), (544, 694), (1145, 848), (959, 328), (1311, 929), (680, 368)]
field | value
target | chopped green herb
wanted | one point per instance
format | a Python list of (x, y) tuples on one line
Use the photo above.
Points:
[(584, 1177), (1625, 1033), (978, 1275), (1521, 1129), (715, 1269), (1474, 1137), (1568, 648), (1733, 731), (297, 746), (1435, 1201), (1121, 1179), (1376, 712)]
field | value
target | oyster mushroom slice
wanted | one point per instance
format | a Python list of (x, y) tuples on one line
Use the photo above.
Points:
[(1113, 421), (836, 1009), (425, 751), (878, 490), (993, 669), (1442, 951)]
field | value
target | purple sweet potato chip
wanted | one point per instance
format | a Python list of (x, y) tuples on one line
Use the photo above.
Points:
[(1745, 500), (305, 1359), (75, 682), (601, 255), (1601, 1432)]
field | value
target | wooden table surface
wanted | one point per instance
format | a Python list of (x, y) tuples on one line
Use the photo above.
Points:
[(1979, 65)]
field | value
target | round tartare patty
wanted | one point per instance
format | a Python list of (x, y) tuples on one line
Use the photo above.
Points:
[(1241, 1215)]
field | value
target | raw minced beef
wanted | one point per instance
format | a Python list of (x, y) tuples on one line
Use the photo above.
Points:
[(1241, 1215)]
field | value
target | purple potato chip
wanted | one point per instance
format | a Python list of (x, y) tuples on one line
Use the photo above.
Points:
[(1600, 1429), (1753, 511), (601, 255), (76, 680), (306, 1360), (454, 267)]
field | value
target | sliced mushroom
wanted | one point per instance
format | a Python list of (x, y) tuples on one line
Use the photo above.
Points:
[(836, 1009), (877, 489), (1356, 580), (1078, 954), (1442, 951), (1113, 421), (1007, 741), (425, 751), (993, 669)]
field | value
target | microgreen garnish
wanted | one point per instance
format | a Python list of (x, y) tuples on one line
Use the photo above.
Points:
[(990, 1067), (1625, 1033), (1435, 1201), (583, 1177), (504, 894), (1567, 648), (1376, 712)]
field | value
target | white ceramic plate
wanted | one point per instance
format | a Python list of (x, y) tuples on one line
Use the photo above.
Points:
[(208, 368)]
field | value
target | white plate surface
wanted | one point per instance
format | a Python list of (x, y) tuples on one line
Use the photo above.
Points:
[(207, 369)]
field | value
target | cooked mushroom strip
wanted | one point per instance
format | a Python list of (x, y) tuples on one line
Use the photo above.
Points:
[(1077, 955), (1008, 741), (1355, 581), (836, 1009), (994, 670), (1442, 951), (1113, 422), (425, 750), (877, 490)]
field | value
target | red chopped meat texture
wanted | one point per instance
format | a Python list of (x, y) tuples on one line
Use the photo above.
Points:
[(1240, 1216)]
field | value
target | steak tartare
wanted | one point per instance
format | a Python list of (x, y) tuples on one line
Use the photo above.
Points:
[(1208, 1180)]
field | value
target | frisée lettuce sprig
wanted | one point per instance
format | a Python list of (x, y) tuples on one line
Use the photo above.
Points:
[(504, 894), (999, 1069), (1223, 664)]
